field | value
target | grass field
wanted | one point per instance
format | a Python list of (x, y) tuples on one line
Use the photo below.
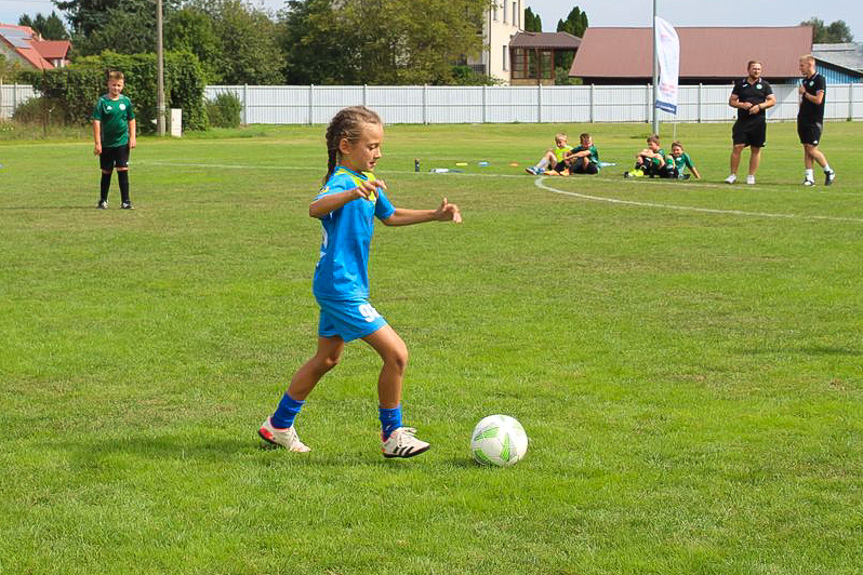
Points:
[(691, 381)]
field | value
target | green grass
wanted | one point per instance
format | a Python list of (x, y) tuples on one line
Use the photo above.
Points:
[(691, 382)]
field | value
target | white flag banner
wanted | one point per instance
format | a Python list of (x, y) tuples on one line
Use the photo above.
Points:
[(668, 53)]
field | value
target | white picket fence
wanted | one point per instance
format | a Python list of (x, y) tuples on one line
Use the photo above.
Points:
[(494, 104)]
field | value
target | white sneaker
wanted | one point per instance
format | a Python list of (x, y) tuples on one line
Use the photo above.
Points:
[(829, 177), (807, 182), (731, 179), (750, 180), (402, 443), (286, 438)]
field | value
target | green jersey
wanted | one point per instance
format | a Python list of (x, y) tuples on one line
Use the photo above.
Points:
[(115, 116), (684, 161), (560, 153), (662, 154), (593, 158)]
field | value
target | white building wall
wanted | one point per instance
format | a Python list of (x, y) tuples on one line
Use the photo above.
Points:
[(502, 21)]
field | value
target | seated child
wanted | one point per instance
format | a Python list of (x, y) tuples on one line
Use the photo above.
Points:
[(676, 162), (553, 159), (583, 159), (649, 161)]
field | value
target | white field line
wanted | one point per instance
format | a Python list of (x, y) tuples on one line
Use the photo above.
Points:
[(539, 184)]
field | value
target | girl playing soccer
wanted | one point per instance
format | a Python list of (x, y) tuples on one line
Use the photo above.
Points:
[(346, 205)]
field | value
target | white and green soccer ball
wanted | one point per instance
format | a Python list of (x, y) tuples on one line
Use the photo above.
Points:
[(498, 440)]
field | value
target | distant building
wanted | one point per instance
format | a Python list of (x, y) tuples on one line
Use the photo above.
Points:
[(22, 45), (503, 20), (839, 63), (534, 54), (707, 55)]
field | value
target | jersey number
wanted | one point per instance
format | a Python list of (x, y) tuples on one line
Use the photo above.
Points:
[(369, 313)]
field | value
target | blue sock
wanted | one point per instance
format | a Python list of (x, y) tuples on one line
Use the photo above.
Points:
[(391, 419), (288, 409)]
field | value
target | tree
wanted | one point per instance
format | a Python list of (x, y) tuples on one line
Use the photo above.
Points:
[(50, 28), (532, 22), (190, 30), (575, 23), (837, 32), (379, 41)]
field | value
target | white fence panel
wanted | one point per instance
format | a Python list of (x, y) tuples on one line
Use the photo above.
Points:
[(505, 104), (11, 96)]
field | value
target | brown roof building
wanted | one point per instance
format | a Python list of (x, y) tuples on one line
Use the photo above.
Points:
[(534, 54), (707, 55), (21, 44)]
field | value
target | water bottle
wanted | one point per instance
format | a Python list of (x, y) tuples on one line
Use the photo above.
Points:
[(416, 165)]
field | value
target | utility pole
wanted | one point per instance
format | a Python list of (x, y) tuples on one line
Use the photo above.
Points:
[(160, 73), (655, 72)]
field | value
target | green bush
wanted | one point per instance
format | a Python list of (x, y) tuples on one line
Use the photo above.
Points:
[(224, 111), (76, 88)]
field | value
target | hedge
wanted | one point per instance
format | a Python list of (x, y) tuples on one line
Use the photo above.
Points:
[(79, 85)]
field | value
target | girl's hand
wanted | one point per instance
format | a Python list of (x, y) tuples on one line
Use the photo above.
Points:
[(447, 212), (366, 188)]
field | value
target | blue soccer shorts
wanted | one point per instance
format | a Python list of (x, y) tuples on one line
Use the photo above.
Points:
[(349, 319)]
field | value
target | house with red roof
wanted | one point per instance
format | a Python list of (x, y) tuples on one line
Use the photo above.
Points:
[(716, 55), (23, 45)]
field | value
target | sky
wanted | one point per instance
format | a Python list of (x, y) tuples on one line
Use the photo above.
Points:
[(623, 12)]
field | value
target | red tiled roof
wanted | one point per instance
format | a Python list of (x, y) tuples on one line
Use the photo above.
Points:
[(27, 52), (53, 49), (704, 52)]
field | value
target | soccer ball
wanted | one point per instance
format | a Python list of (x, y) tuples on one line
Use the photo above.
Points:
[(498, 440)]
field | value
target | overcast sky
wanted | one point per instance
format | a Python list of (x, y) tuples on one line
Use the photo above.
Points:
[(624, 12)]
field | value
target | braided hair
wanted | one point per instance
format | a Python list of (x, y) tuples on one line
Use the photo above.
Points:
[(348, 123)]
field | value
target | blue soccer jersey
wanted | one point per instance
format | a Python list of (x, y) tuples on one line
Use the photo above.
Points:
[(342, 272)]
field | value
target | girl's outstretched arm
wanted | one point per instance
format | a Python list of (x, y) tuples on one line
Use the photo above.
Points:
[(446, 212), (323, 206)]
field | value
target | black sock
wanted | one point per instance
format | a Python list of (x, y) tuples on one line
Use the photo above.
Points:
[(105, 186), (123, 179)]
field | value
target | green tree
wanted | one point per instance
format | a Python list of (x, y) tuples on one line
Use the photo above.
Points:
[(532, 22), (837, 32), (190, 30), (380, 41), (248, 52), (575, 23), (50, 28)]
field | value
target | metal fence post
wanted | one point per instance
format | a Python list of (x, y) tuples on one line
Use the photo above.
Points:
[(592, 113), (484, 104), (311, 103), (425, 104), (647, 103), (539, 103), (365, 95), (850, 102), (245, 104), (700, 98)]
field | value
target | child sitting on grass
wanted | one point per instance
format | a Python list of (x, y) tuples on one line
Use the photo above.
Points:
[(677, 161), (649, 161), (584, 159), (554, 160)]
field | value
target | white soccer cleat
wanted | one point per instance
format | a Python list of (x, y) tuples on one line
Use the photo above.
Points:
[(402, 443), (808, 183), (731, 179), (286, 438), (750, 180), (829, 177)]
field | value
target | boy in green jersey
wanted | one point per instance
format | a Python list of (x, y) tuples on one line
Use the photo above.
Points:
[(114, 135), (584, 159), (677, 161), (649, 161)]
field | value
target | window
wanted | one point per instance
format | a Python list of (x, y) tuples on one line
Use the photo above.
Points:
[(494, 11), (505, 49), (515, 14), (503, 5)]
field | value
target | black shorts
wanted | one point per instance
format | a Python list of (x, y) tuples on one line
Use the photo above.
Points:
[(752, 133), (560, 167), (579, 168), (111, 157), (809, 132)]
